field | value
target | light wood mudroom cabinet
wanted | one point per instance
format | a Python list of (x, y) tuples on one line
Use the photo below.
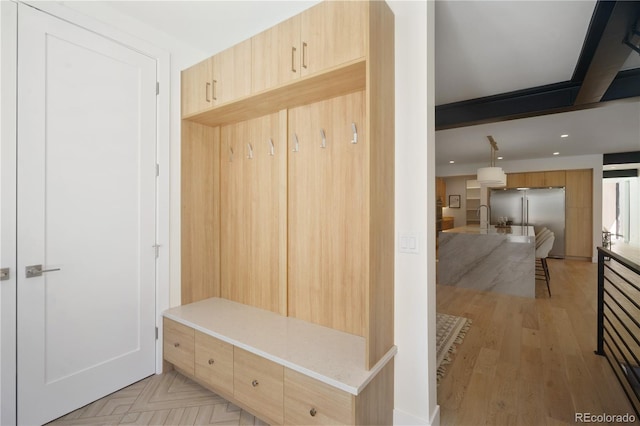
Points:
[(287, 206)]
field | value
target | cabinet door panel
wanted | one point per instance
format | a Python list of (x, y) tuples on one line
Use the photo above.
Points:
[(232, 73), (178, 345), (333, 32), (554, 178), (197, 87), (275, 55), (516, 180), (259, 383), (328, 232), (534, 179), (214, 362), (254, 216), (579, 217), (310, 402)]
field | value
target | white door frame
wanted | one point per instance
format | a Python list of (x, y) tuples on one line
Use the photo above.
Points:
[(8, 85), (8, 137)]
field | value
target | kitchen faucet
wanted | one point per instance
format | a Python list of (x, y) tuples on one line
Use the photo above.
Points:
[(488, 221)]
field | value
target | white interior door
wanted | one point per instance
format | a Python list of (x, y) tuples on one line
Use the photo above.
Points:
[(85, 210)]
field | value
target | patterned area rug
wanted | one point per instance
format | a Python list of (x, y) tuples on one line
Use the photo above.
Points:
[(450, 330)]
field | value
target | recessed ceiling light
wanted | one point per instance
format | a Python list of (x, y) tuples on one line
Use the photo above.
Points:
[(451, 161), (564, 136), (500, 158), (556, 153)]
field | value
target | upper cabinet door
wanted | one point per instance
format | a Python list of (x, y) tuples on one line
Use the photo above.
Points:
[(332, 33), (197, 88), (275, 55), (232, 73)]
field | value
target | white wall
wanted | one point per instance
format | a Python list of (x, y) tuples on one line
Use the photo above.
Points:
[(415, 379), (593, 162)]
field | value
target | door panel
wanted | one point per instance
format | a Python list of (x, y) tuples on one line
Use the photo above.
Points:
[(86, 205)]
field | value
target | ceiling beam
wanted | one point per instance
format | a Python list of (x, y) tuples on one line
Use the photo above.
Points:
[(552, 98), (610, 54)]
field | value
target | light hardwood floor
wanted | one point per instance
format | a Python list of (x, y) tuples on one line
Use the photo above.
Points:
[(526, 361)]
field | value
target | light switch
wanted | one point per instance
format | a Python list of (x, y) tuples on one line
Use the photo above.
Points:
[(409, 243)]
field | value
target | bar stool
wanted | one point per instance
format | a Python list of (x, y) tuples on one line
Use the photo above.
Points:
[(542, 252)]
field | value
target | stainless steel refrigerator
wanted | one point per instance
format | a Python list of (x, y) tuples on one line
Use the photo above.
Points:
[(536, 207)]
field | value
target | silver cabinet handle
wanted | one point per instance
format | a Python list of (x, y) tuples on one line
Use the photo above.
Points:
[(5, 274), (293, 63), (304, 55), (206, 92), (215, 98), (37, 271)]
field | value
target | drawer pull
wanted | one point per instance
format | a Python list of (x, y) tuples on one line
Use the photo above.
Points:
[(313, 412), (177, 344), (254, 383), (211, 361)]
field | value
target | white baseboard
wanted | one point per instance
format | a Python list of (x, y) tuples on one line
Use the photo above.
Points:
[(402, 418)]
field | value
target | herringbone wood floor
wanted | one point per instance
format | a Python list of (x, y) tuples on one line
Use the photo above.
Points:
[(166, 399)]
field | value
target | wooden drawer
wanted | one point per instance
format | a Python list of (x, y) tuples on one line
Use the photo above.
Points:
[(214, 362), (178, 345), (258, 383), (310, 402)]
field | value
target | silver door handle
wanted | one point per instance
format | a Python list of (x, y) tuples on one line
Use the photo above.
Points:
[(37, 271)]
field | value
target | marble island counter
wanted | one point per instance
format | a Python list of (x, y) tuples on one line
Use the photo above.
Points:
[(490, 259)]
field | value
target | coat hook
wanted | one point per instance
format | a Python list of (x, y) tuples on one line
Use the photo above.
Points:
[(296, 146), (271, 147), (355, 133), (231, 154), (250, 156), (324, 139)]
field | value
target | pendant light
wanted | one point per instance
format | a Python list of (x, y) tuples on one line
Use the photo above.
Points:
[(492, 176)]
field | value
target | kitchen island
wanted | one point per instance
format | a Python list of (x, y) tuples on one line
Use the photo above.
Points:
[(490, 259)]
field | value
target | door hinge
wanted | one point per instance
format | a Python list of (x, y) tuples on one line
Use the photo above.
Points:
[(157, 87), (157, 247), (156, 333), (157, 169)]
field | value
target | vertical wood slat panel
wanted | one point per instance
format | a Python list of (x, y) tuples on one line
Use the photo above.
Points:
[(327, 219), (254, 213), (200, 212), (380, 177)]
